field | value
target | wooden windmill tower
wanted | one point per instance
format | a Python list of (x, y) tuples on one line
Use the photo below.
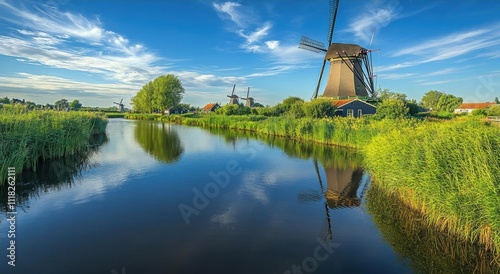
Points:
[(351, 72), (120, 106), (250, 100), (233, 98)]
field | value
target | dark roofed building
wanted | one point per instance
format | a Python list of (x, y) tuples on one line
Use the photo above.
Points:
[(353, 108)]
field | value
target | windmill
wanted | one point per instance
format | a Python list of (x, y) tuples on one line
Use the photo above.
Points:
[(249, 100), (233, 98), (351, 72), (120, 106)]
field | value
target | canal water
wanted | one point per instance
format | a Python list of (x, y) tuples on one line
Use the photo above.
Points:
[(158, 198)]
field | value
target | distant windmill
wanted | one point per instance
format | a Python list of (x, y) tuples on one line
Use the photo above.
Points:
[(233, 98), (347, 76), (120, 106), (250, 100)]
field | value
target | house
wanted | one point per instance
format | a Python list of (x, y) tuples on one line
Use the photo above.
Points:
[(210, 107), (469, 107), (176, 110), (353, 108)]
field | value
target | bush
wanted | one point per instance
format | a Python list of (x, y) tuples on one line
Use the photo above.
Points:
[(392, 109), (493, 110), (479, 112), (319, 108), (231, 109), (297, 110)]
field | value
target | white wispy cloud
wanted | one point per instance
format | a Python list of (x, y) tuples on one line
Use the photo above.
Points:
[(231, 11), (470, 44), (256, 39), (363, 25), (48, 36), (55, 83), (393, 76)]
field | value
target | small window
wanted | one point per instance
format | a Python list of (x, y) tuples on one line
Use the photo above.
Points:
[(350, 113), (360, 112)]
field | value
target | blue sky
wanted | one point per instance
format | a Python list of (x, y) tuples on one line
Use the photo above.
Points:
[(102, 51)]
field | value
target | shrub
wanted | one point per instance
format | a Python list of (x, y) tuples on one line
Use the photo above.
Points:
[(479, 112), (392, 109), (319, 108)]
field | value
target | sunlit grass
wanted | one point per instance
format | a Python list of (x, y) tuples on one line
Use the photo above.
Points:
[(449, 171), (27, 137)]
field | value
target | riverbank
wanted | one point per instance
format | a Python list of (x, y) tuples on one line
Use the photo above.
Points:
[(339, 131), (28, 137), (448, 170)]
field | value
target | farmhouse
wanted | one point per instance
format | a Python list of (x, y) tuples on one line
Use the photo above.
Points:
[(176, 110), (210, 107), (469, 107), (353, 108)]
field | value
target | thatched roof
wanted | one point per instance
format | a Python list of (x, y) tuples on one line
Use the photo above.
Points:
[(351, 50)]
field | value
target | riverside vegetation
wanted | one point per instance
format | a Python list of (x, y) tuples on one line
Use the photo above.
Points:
[(446, 169), (28, 137)]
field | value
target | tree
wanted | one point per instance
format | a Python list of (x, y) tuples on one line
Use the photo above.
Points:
[(493, 110), (448, 102), (75, 104), (258, 105), (430, 99), (387, 94), (392, 108), (61, 104), (5, 100), (496, 100), (288, 102), (162, 93)]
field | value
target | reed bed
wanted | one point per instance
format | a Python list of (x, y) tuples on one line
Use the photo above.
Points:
[(448, 171), (425, 249), (27, 137), (347, 132)]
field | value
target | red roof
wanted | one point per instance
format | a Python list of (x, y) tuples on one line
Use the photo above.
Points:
[(338, 103), (475, 105), (209, 107)]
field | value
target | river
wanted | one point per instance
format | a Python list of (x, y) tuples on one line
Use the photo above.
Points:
[(160, 198)]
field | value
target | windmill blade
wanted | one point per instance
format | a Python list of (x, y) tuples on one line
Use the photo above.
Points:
[(232, 93), (333, 18), (121, 101), (248, 92), (373, 35), (311, 44)]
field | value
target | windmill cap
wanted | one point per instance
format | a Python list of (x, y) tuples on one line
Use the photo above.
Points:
[(345, 50)]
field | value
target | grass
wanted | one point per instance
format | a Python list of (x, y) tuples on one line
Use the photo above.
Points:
[(448, 171), (27, 137), (347, 132), (115, 115), (425, 249)]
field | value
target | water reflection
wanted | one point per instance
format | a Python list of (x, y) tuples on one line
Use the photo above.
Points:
[(339, 180), (159, 140), (424, 249), (53, 174)]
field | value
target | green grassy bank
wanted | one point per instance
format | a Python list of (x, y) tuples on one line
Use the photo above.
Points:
[(347, 132), (27, 137), (449, 171)]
